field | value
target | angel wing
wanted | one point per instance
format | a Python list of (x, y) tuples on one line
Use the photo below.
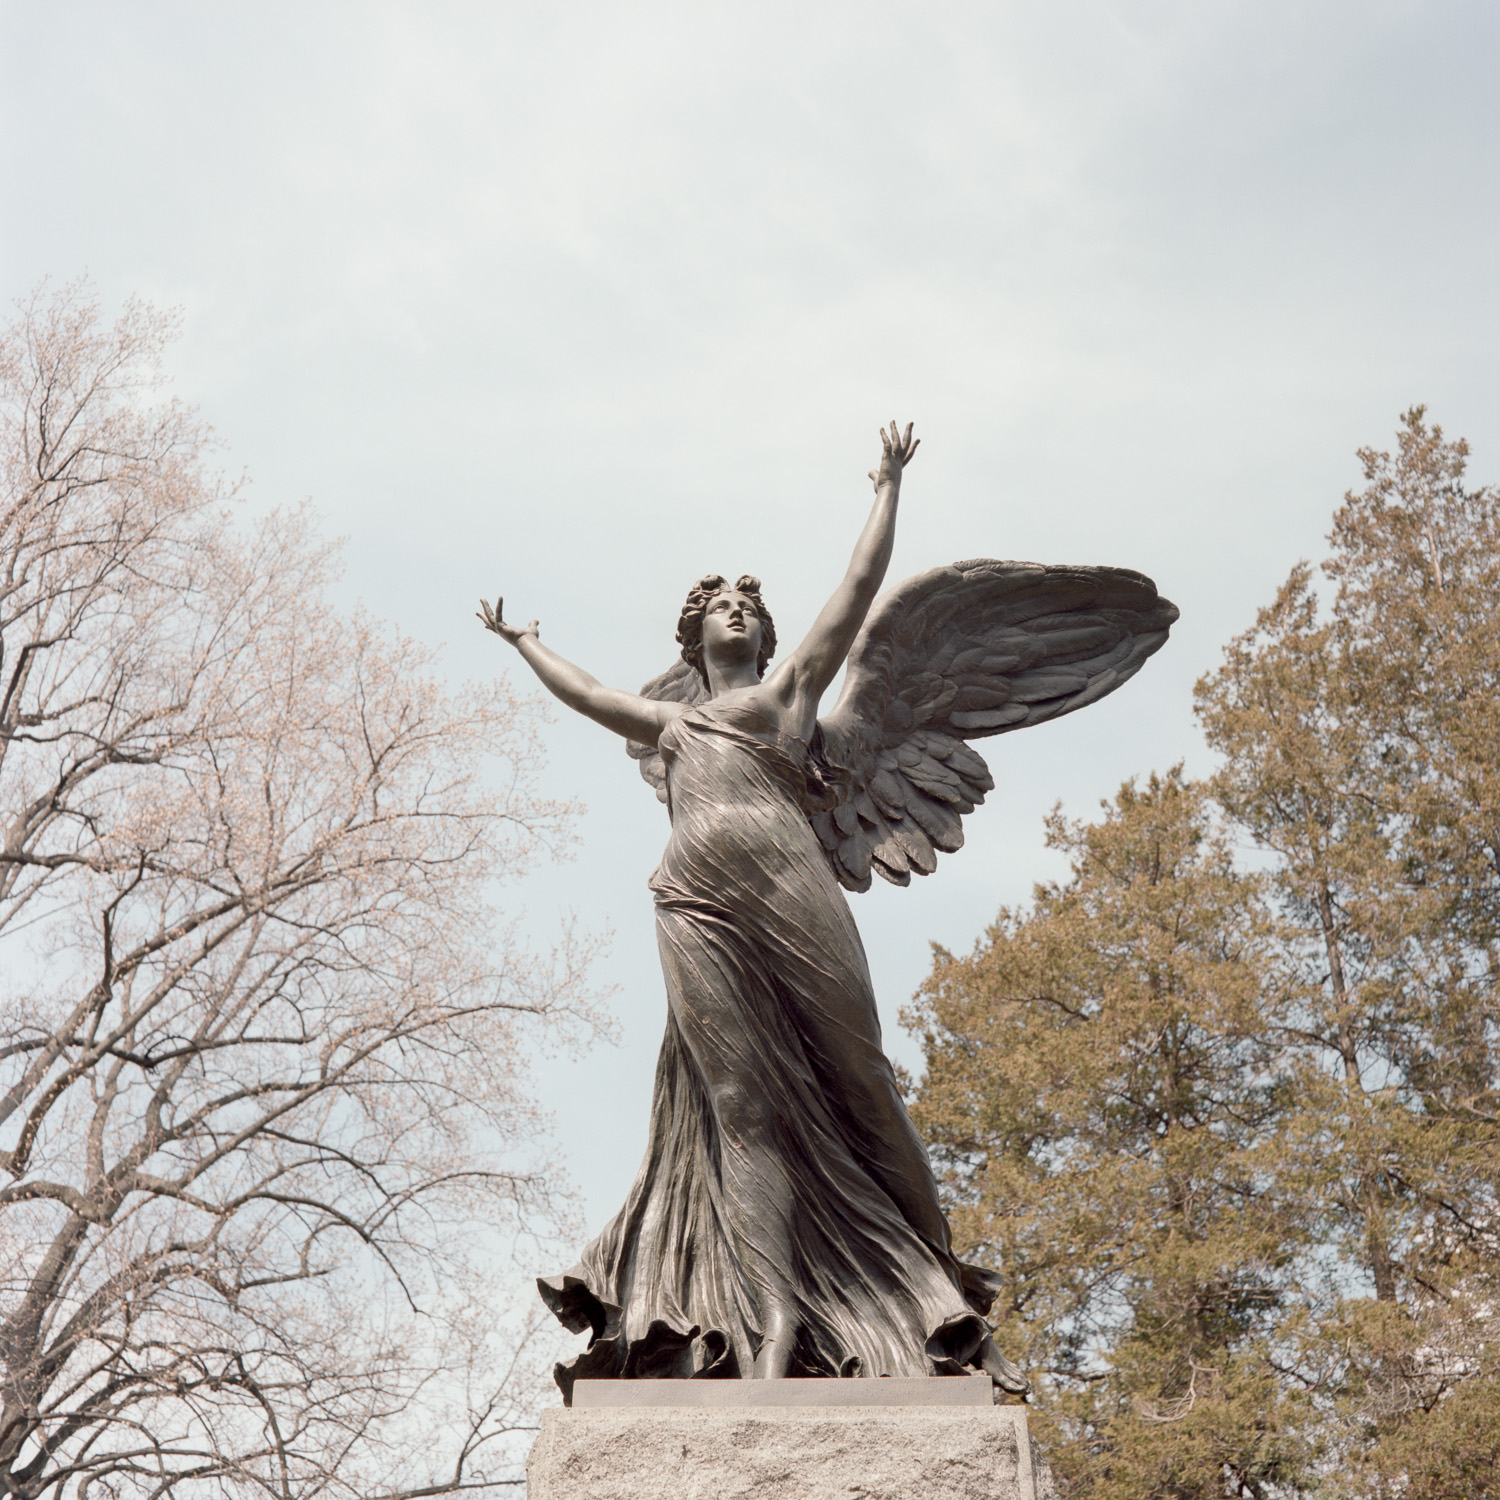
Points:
[(955, 654), (680, 683)]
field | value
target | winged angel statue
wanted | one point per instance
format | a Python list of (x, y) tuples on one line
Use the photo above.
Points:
[(785, 1220)]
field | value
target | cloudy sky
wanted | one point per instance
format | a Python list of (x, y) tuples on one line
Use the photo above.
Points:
[(578, 302)]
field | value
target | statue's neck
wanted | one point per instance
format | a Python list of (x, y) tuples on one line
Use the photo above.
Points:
[(725, 679)]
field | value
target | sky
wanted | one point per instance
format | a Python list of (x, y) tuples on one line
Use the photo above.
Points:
[(577, 302)]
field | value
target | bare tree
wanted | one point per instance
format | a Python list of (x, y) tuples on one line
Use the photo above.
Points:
[(262, 1036)]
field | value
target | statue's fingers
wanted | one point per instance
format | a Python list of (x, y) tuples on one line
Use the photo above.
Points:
[(907, 439), (535, 627), (916, 443)]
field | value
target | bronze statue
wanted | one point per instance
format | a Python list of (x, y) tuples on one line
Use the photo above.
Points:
[(785, 1220)]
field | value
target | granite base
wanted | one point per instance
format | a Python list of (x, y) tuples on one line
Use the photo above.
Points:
[(846, 1440)]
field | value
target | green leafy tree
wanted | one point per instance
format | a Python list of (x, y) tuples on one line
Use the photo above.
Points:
[(1338, 1015), (1359, 748), (1100, 1089)]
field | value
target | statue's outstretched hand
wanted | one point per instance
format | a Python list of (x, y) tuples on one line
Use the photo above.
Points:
[(493, 619), (897, 450)]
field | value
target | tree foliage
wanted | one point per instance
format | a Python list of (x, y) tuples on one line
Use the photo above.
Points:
[(262, 1038), (1099, 1094), (1231, 1124)]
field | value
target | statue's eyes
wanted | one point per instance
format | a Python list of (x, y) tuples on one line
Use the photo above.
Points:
[(722, 603)]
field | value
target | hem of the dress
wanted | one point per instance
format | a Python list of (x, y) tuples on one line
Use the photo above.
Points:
[(668, 1352)]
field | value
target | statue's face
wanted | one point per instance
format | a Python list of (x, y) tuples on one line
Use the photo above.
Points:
[(731, 628)]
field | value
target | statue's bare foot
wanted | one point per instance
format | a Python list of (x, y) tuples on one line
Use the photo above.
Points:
[(1000, 1370)]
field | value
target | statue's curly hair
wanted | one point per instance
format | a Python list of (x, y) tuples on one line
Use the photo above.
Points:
[(690, 621)]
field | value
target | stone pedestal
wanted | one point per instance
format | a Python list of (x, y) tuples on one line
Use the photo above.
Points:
[(934, 1439)]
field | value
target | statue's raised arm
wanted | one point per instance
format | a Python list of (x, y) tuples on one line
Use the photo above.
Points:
[(637, 718), (806, 674), (710, 665)]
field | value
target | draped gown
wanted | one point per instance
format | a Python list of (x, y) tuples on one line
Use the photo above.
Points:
[(781, 1166)]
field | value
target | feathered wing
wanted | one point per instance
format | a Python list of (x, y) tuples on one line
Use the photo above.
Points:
[(680, 683), (955, 654)]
